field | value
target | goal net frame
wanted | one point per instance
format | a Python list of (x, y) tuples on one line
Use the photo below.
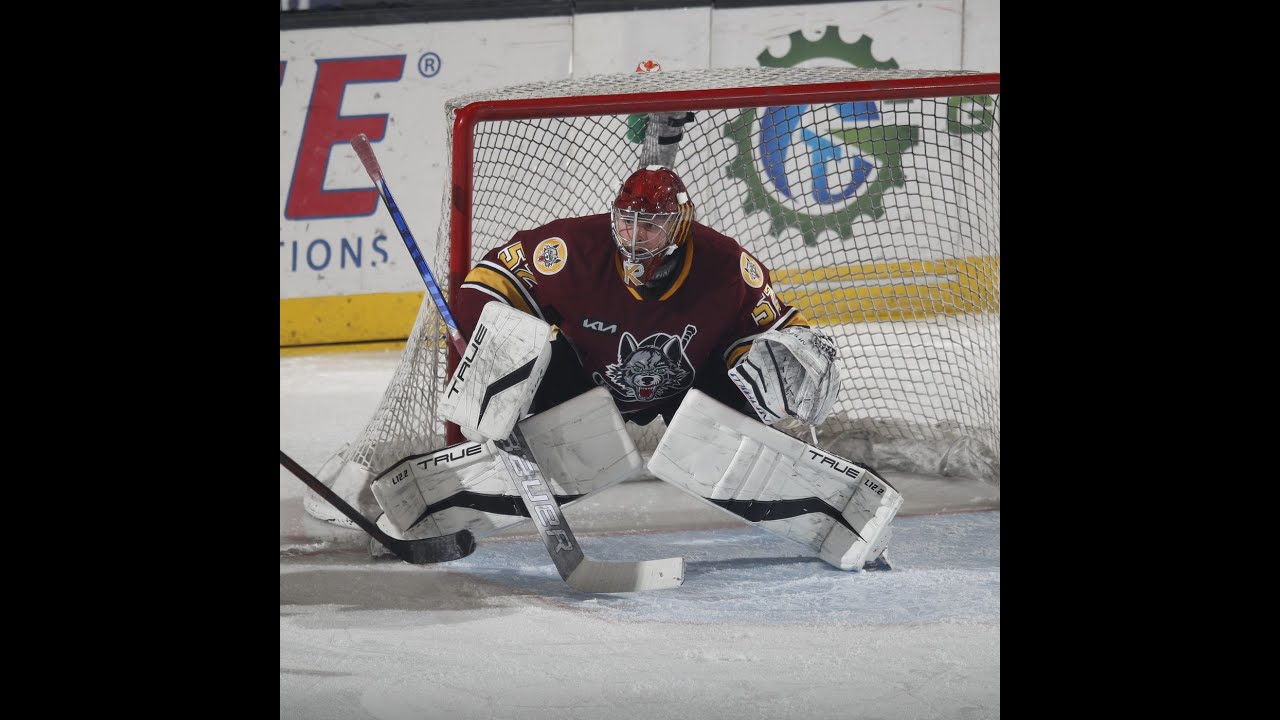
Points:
[(959, 294)]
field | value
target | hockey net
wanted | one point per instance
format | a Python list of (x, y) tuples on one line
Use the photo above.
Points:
[(872, 195)]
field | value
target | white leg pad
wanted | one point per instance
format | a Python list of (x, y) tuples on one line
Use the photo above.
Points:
[(835, 508), (350, 482), (421, 496), (581, 446)]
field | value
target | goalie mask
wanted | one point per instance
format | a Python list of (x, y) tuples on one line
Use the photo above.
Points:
[(652, 216)]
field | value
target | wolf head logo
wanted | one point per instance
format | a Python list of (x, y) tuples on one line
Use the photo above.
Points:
[(549, 256), (651, 369)]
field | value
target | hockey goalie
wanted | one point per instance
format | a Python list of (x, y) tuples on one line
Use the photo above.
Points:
[(584, 324)]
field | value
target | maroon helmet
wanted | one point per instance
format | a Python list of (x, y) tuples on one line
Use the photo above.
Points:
[(652, 216)]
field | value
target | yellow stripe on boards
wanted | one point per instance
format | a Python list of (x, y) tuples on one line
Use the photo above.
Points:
[(943, 287), (396, 345), (375, 317), (381, 321), (975, 267)]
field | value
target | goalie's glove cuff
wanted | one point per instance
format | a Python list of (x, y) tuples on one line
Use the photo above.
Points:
[(791, 372)]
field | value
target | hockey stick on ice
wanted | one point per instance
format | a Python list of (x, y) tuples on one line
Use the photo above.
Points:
[(419, 552), (580, 572)]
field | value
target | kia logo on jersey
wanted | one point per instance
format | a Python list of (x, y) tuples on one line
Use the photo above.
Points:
[(599, 326)]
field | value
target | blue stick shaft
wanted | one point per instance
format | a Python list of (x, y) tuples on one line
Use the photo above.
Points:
[(365, 152)]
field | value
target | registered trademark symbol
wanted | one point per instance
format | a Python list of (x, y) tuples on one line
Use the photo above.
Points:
[(429, 64)]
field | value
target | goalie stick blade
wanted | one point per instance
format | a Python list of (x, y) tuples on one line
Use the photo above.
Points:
[(880, 563), (419, 552), (614, 577), (434, 550)]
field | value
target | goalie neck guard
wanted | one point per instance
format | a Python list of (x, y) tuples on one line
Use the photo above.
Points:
[(652, 216)]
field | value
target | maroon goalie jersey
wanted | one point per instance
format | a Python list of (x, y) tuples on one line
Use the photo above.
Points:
[(647, 351)]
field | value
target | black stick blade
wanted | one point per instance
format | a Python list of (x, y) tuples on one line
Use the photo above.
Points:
[(419, 552), (436, 549)]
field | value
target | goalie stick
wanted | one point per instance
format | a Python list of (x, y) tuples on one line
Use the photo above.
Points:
[(419, 552), (576, 569)]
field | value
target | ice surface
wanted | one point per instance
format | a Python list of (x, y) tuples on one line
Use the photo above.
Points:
[(758, 630)]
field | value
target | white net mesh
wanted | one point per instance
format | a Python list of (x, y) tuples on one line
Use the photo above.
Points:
[(876, 208)]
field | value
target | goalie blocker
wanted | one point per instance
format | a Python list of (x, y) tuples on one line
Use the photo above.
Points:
[(494, 383), (839, 510)]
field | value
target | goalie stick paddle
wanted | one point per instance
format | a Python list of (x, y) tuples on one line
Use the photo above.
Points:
[(419, 552), (578, 571), (581, 573)]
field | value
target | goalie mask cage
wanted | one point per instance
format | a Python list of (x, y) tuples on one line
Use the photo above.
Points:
[(873, 196)]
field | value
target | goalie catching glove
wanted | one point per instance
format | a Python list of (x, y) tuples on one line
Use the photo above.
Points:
[(789, 372)]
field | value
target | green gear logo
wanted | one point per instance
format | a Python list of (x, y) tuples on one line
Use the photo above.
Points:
[(870, 155)]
